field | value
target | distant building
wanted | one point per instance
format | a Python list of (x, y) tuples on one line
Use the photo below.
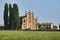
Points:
[(1, 27), (47, 26), (28, 21)]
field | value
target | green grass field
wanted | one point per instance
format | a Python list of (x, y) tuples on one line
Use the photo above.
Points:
[(29, 35)]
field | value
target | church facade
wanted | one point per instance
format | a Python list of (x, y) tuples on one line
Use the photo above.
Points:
[(29, 21)]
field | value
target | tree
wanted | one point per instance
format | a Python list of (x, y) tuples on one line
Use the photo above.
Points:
[(15, 17), (10, 17), (6, 16)]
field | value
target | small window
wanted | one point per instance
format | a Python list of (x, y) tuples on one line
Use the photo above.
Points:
[(29, 17), (43, 25), (29, 14), (49, 25), (24, 24), (24, 20)]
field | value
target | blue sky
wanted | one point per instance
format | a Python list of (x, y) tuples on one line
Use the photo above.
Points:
[(44, 10)]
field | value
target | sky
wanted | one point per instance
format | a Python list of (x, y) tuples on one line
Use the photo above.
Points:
[(44, 10)]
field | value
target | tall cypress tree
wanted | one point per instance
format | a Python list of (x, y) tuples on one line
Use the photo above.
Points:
[(15, 16), (6, 16), (10, 17)]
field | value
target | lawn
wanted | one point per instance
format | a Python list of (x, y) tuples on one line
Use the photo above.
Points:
[(29, 35)]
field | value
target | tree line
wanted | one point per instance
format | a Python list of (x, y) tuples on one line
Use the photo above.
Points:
[(11, 17)]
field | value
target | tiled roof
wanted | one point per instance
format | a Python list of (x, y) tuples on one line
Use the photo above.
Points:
[(46, 23)]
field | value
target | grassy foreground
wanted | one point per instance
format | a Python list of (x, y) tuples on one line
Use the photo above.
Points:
[(29, 35)]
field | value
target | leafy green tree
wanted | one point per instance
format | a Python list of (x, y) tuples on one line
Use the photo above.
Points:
[(15, 17), (6, 16)]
